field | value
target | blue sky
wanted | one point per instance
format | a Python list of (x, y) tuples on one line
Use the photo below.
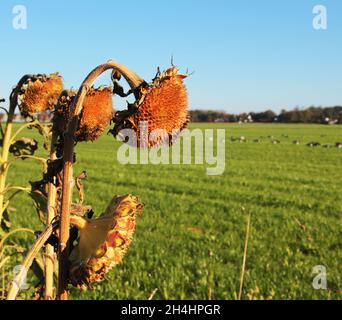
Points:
[(247, 55)]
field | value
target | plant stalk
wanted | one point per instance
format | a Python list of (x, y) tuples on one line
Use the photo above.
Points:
[(6, 143), (51, 206), (134, 81), (4, 155)]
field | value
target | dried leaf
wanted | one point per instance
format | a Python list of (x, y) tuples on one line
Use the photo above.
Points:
[(44, 131), (40, 203), (24, 147)]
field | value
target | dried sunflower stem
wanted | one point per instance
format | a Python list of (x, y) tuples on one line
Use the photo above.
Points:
[(49, 251), (134, 81), (20, 277)]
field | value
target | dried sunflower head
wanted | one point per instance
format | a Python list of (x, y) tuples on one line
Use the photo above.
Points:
[(96, 114), (40, 93), (161, 105), (95, 117), (103, 241)]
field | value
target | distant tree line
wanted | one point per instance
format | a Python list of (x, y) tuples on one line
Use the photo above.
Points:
[(45, 116), (331, 115)]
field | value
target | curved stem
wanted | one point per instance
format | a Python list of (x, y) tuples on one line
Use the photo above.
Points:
[(4, 109), (20, 277), (8, 164), (5, 247), (24, 126), (24, 157), (134, 81), (12, 233), (40, 159), (131, 77), (4, 261), (23, 189)]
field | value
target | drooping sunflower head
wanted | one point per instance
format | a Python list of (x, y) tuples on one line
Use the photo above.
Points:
[(160, 112), (95, 116), (40, 93), (103, 241)]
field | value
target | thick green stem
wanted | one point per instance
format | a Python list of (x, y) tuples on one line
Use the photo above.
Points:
[(5, 152), (6, 143)]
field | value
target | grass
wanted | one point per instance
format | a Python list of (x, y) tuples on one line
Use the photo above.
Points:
[(190, 239)]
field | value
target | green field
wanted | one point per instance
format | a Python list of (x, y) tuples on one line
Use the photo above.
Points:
[(293, 193)]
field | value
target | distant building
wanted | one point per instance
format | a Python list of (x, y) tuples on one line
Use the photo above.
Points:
[(327, 120)]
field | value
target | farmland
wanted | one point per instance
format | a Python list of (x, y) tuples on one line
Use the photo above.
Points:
[(190, 238)]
